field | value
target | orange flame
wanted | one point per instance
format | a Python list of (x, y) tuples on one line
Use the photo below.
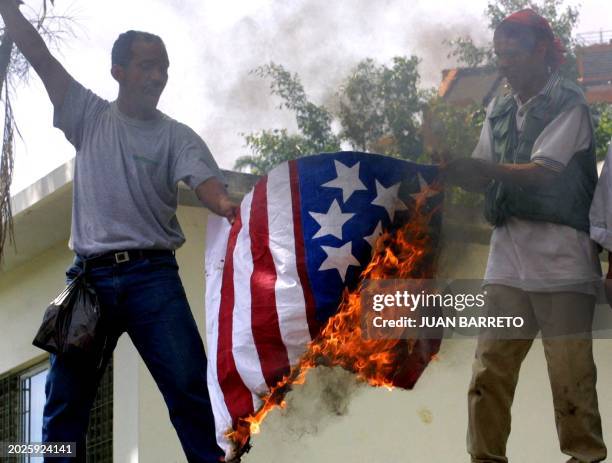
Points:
[(404, 254)]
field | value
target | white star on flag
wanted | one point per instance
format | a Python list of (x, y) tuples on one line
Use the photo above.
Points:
[(339, 258), (331, 222), (371, 239), (425, 191), (387, 198), (347, 179)]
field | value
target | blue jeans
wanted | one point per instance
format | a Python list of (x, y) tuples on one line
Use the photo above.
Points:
[(146, 299)]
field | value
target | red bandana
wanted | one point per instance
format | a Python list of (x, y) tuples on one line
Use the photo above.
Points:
[(530, 18)]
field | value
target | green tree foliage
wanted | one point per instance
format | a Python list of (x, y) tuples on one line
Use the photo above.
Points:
[(271, 147), (313, 121), (602, 114), (380, 108), (469, 54), (452, 131)]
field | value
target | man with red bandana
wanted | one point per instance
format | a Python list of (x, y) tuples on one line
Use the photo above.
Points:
[(535, 162)]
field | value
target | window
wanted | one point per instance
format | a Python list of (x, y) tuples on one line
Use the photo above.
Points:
[(22, 399), (31, 404)]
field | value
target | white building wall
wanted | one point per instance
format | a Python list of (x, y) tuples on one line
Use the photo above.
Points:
[(427, 424), (25, 292)]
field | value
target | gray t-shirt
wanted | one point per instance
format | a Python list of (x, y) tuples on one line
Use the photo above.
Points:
[(127, 173)]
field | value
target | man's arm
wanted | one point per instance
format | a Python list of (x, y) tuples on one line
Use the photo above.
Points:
[(568, 134), (213, 195), (459, 172), (527, 175), (475, 174), (33, 47)]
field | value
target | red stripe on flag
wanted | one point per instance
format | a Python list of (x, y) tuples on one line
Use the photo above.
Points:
[(300, 254), (271, 349), (237, 396)]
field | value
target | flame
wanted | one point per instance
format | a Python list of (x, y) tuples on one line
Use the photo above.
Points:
[(402, 254)]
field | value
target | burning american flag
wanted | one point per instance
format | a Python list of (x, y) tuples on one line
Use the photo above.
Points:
[(282, 283)]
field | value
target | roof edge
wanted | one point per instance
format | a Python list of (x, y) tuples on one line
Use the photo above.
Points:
[(238, 184)]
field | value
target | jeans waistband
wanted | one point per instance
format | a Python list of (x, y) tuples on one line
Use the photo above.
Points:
[(122, 257)]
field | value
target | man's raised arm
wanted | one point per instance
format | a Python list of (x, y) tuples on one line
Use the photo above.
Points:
[(33, 47)]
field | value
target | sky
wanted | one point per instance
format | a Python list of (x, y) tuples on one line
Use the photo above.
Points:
[(213, 45)]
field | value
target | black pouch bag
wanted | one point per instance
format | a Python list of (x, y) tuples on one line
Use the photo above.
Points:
[(72, 322)]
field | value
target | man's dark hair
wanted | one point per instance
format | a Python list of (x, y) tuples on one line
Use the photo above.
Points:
[(122, 48)]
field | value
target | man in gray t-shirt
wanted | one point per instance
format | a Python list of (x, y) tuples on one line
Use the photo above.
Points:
[(130, 158), (137, 164)]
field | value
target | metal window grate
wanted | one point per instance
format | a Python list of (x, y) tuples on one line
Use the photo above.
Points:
[(9, 409), (14, 419), (100, 432)]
